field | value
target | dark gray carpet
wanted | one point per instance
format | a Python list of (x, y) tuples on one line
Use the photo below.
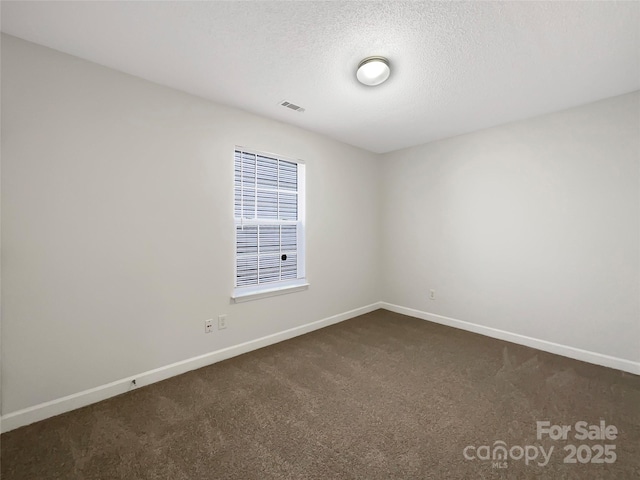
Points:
[(381, 396)]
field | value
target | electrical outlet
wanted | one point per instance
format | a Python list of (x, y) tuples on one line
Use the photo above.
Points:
[(432, 294), (208, 326), (222, 322)]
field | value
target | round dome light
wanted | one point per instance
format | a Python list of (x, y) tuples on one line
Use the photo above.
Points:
[(373, 71)]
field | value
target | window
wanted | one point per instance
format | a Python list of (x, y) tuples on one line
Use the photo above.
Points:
[(269, 223)]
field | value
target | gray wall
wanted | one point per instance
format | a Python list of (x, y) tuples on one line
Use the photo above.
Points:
[(531, 227), (118, 237)]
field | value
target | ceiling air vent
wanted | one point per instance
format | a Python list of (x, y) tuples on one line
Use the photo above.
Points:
[(292, 106)]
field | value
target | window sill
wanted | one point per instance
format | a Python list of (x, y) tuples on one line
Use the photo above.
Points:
[(248, 295)]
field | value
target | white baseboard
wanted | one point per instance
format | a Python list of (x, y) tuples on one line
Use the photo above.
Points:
[(558, 349), (39, 412), (45, 410)]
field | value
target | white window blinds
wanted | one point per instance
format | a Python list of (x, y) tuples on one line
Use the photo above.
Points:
[(269, 220)]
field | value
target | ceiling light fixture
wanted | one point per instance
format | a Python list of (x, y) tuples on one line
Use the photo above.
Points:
[(373, 71)]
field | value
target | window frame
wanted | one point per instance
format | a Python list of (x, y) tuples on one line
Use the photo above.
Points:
[(254, 292)]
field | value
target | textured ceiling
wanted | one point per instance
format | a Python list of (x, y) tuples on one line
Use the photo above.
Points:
[(456, 66)]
